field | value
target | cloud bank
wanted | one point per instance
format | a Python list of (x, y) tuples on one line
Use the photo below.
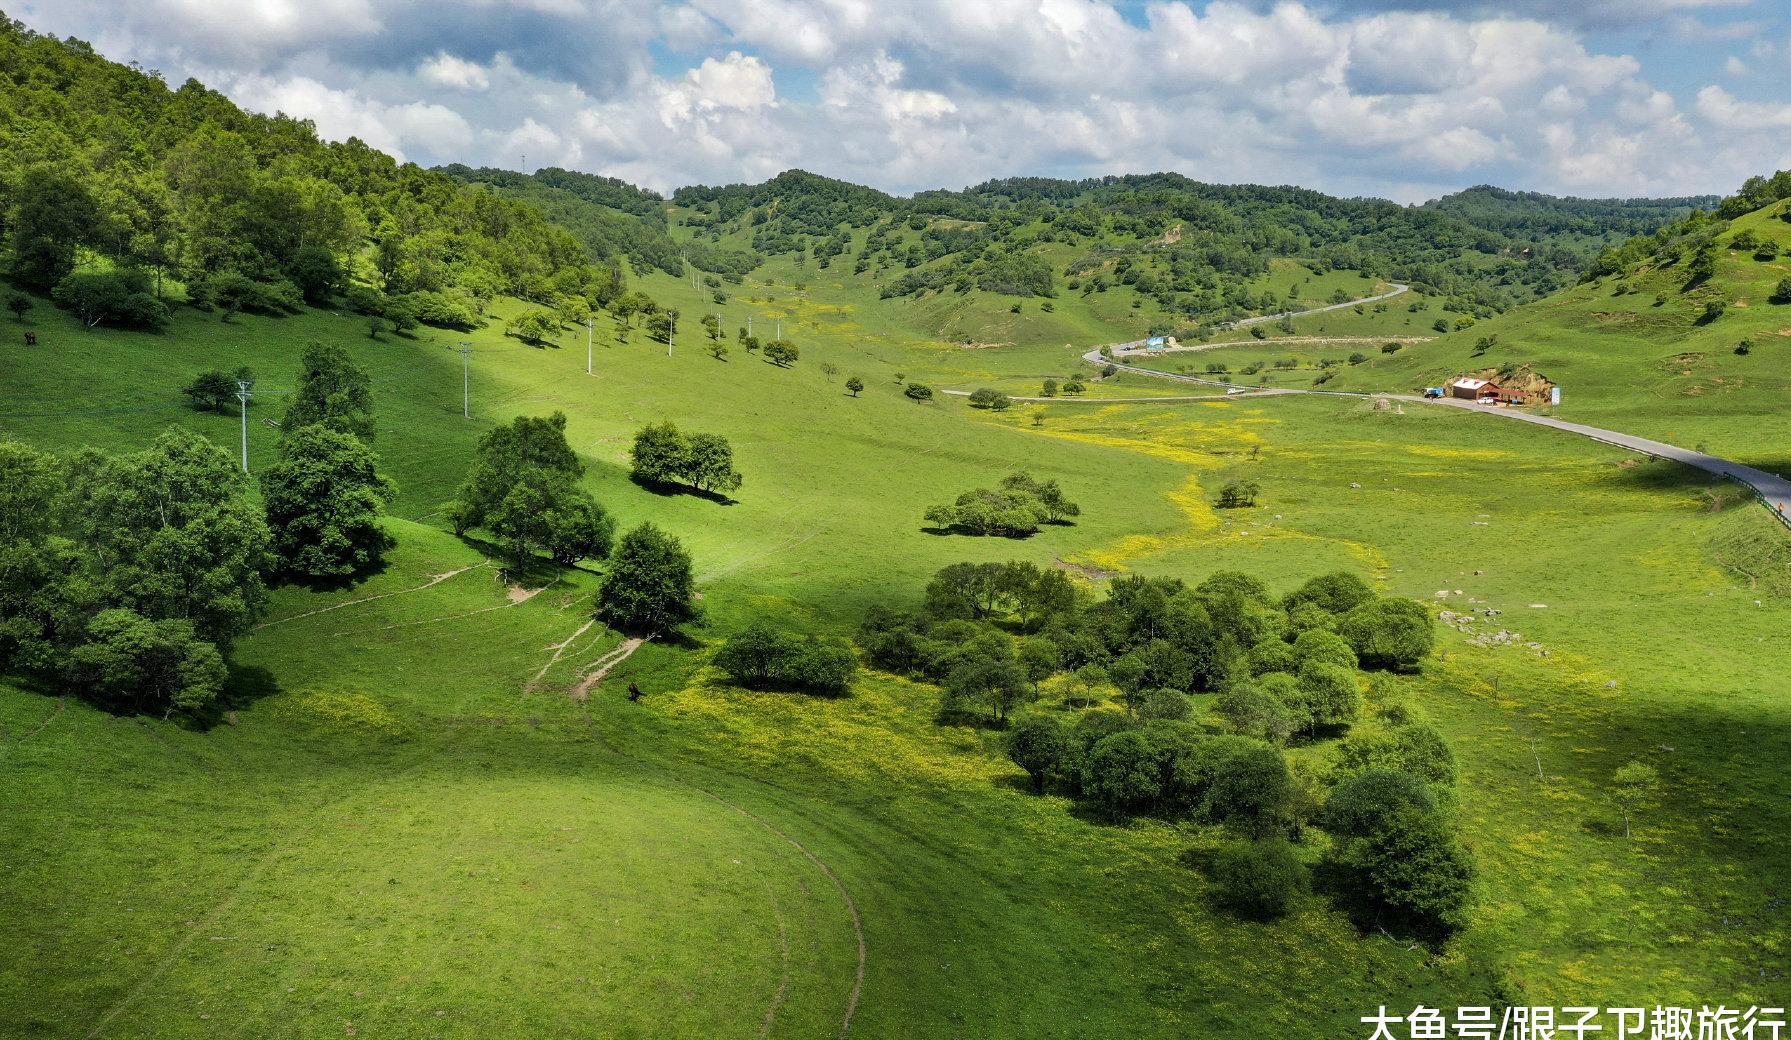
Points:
[(1402, 100)]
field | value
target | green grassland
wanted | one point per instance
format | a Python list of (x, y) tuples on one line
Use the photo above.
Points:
[(1631, 353), (412, 825)]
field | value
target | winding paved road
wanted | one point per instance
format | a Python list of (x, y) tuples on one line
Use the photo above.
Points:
[(1773, 490), (1244, 323)]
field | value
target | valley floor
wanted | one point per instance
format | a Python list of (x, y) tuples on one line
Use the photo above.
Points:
[(422, 818)]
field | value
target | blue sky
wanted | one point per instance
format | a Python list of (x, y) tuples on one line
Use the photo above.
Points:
[(1405, 100)]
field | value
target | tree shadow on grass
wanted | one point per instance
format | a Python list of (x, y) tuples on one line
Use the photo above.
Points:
[(958, 529), (332, 582), (247, 684), (666, 489)]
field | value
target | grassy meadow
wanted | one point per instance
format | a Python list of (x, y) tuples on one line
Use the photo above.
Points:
[(422, 818)]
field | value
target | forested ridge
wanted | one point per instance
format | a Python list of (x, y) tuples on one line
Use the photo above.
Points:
[(1188, 245), (113, 178)]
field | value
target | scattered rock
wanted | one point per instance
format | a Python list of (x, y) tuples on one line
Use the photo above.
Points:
[(1354, 484), (1539, 606)]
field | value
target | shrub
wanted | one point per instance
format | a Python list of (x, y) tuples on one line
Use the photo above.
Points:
[(1321, 646), (1414, 748), (918, 392), (1238, 494), (1254, 712), (1251, 791), (1391, 633), (991, 399), (131, 661), (1122, 773), (1016, 508), (1164, 704), (232, 291), (1328, 694), (443, 310), (1360, 804), (1258, 879), (1338, 592), (1272, 655), (1044, 747), (118, 298), (762, 657), (1408, 875)]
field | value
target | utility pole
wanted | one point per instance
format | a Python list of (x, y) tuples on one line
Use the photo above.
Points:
[(242, 407), (780, 328), (749, 324), (466, 379), (671, 322), (590, 331)]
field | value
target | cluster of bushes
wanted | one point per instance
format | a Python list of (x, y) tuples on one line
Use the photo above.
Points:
[(1374, 813), (120, 297), (664, 455), (762, 657), (995, 635), (126, 577), (992, 399), (1015, 508)]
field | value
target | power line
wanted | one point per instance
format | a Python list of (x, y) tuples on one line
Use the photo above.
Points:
[(242, 398)]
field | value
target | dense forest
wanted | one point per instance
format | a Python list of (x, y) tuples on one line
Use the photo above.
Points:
[(114, 185)]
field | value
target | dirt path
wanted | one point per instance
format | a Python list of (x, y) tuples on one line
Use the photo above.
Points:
[(431, 583), (598, 670), (515, 597), (559, 651)]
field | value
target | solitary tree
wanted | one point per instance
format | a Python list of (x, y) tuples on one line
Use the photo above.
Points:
[(332, 391), (855, 385), (527, 444), (18, 303), (211, 390), (782, 353), (709, 464), (324, 496), (546, 510), (533, 327), (649, 587)]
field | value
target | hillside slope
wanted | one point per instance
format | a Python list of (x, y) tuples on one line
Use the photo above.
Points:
[(1659, 348)]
